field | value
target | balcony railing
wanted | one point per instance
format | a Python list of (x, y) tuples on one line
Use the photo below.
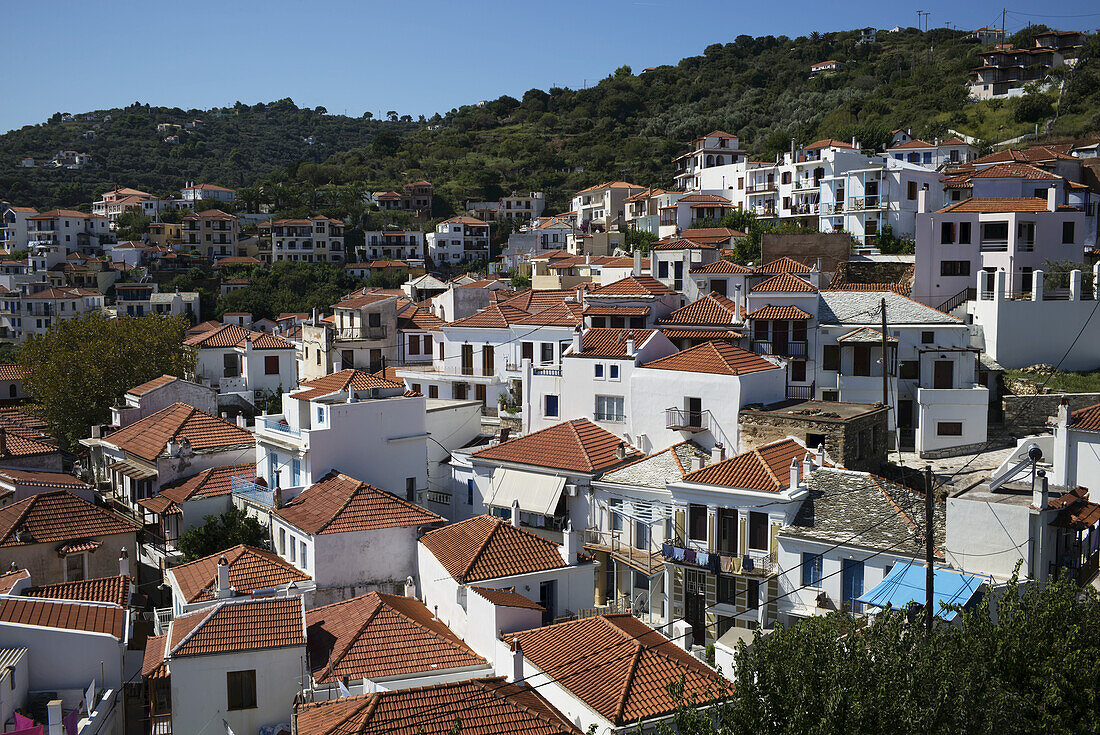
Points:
[(608, 415), (274, 423), (761, 188), (554, 372), (867, 202), (760, 563), (360, 333), (250, 492), (679, 419), (832, 208), (800, 392), (789, 348)]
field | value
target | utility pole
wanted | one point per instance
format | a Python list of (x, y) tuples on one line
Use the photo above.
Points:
[(1003, 25), (885, 358), (929, 581)]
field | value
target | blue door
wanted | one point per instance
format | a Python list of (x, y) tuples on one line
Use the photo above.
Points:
[(851, 584)]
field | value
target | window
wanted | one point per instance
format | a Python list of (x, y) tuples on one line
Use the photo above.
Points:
[(1025, 235), (470, 492), (911, 190), (74, 567), (964, 233), (830, 357), (441, 354), (947, 233), (830, 395), (527, 351), (927, 338), (955, 268), (546, 352), (230, 366), (697, 522), (433, 391), (598, 370), (758, 531), (271, 365), (614, 371), (614, 505), (305, 556), (1067, 233), (727, 590), (727, 531), (610, 408), (550, 406), (662, 269), (798, 371), (320, 414), (427, 344), (295, 472), (410, 489), (994, 233), (414, 344), (752, 594), (282, 541), (910, 370), (240, 689), (949, 428)]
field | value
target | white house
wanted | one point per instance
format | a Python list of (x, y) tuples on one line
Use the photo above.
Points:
[(345, 421), (492, 553), (159, 393), (865, 201), (15, 228), (207, 192), (235, 573), (236, 360), (714, 149), (237, 661), (458, 239), (315, 240), (349, 537), (602, 207), (186, 502), (392, 245)]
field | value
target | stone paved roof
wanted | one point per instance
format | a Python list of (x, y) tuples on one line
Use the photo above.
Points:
[(863, 307), (667, 465)]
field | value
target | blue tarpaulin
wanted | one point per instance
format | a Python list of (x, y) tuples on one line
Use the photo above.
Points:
[(905, 584)]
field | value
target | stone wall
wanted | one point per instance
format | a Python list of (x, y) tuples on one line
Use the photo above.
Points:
[(1027, 414), (858, 271), (807, 247), (841, 435)]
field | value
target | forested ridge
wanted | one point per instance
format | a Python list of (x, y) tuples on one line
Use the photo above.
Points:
[(628, 126)]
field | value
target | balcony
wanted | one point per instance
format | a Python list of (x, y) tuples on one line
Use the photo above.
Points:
[(800, 392), (679, 419), (618, 544), (251, 493), (554, 372), (867, 202), (789, 348), (759, 563), (278, 425), (358, 333), (994, 246), (832, 208), (762, 188), (609, 416)]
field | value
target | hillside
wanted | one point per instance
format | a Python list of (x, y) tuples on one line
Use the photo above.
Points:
[(629, 126)]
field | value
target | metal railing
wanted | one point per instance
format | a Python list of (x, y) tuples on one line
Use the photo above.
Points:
[(679, 419), (606, 416), (761, 563), (250, 492), (277, 424), (551, 371), (361, 333), (967, 294), (761, 188), (790, 348), (866, 202), (800, 392)]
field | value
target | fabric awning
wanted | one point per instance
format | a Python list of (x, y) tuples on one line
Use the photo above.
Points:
[(905, 584), (536, 492), (131, 470)]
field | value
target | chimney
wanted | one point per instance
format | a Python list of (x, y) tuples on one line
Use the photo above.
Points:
[(568, 546), (277, 496), (1040, 493), (577, 346), (737, 301), (316, 316), (696, 462), (854, 142), (1052, 199), (55, 724), (410, 587), (517, 662), (717, 453), (223, 589), (794, 474), (97, 431), (185, 447), (820, 455), (242, 422), (3, 441), (637, 262), (922, 201), (620, 451), (1065, 416), (248, 343), (515, 513), (630, 344), (807, 465), (123, 563)]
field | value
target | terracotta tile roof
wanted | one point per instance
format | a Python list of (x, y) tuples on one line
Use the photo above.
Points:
[(535, 301), (203, 327), (378, 635), (706, 334), (209, 483), (484, 548), (954, 140), (72, 213), (784, 265), (711, 234), (611, 185), (152, 664), (721, 267), (210, 214), (562, 314), (577, 445), (720, 358), (9, 371), (232, 335), (634, 286), (766, 468), (829, 142), (710, 310), (999, 204), (618, 666), (507, 598), (1086, 419), (464, 220), (611, 341), (703, 199), (8, 579), (17, 443), (148, 437), (783, 283), (160, 505), (338, 503), (56, 517), (250, 569), (417, 317), (115, 590), (229, 627), (224, 260), (898, 288), (1027, 155), (1075, 511), (914, 143), (778, 312), (485, 707), (38, 478), (83, 616), (682, 244), (361, 300), (151, 385), (1015, 170), (494, 316), (341, 381)]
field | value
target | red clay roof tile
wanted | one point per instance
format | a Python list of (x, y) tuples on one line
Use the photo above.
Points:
[(148, 437), (720, 358), (55, 517), (577, 446), (484, 548), (250, 569), (338, 503)]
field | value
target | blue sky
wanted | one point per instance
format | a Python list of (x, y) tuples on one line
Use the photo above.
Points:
[(414, 57)]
